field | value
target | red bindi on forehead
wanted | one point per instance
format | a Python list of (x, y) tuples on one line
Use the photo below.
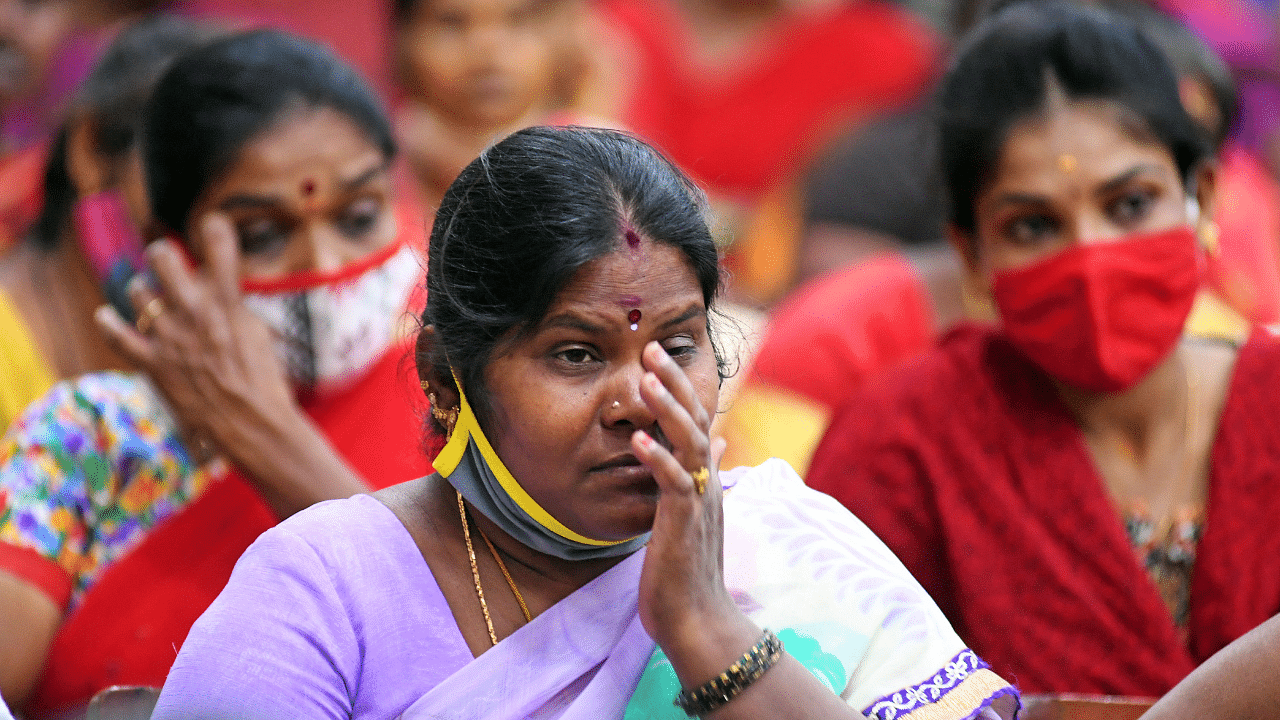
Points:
[(308, 187)]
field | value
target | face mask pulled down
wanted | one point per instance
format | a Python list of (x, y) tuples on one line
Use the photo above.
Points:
[(331, 328), (1100, 317)]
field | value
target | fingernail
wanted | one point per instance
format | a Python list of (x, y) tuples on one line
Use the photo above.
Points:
[(654, 383), (645, 440), (105, 315)]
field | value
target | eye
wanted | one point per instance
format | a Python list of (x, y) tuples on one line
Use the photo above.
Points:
[(451, 19), (576, 356), (1032, 229), (360, 217), (681, 348), (1131, 207), (262, 236)]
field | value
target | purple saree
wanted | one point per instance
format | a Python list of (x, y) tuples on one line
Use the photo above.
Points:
[(334, 614)]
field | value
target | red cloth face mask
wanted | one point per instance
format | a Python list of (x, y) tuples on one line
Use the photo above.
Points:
[(1101, 316)]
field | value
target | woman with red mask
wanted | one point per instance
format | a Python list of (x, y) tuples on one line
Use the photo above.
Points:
[(272, 336), (1086, 491)]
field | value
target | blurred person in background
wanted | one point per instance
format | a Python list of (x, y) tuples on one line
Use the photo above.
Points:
[(885, 278), (358, 32), (30, 36), (271, 347), (1084, 489), (87, 241), (473, 71), (742, 94)]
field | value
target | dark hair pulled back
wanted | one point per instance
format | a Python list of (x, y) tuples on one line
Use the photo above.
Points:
[(1003, 74), (525, 216), (111, 100), (216, 99)]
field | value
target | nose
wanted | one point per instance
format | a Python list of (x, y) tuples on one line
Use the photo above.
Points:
[(326, 250), (1094, 227), (624, 408)]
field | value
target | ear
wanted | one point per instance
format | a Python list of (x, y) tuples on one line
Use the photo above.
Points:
[(966, 246), (87, 168), (433, 380), (1206, 189), (975, 283)]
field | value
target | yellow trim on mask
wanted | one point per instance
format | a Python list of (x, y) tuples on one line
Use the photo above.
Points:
[(447, 461)]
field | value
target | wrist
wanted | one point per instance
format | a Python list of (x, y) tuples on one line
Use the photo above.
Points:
[(703, 645)]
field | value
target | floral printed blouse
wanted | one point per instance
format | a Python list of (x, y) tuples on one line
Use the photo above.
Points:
[(87, 471)]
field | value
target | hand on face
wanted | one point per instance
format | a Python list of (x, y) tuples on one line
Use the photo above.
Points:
[(211, 357), (683, 577)]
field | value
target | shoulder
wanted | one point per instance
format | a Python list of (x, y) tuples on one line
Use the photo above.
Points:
[(775, 489), (956, 376), (1252, 395), (114, 416), (341, 539), (1258, 361)]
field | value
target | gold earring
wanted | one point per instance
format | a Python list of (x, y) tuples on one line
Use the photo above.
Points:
[(1209, 238), (447, 418)]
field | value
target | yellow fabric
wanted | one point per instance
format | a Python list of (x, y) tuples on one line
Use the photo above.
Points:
[(468, 427), (765, 422), (24, 374), (1212, 317)]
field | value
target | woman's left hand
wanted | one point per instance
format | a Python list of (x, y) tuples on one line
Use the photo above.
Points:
[(684, 604)]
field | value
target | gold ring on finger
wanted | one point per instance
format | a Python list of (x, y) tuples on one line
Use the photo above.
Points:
[(700, 477), (150, 311)]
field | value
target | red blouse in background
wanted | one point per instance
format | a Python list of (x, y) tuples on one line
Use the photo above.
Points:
[(357, 31), (742, 130), (968, 466), (1245, 270)]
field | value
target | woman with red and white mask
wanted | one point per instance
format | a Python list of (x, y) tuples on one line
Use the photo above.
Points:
[(271, 336), (1087, 492)]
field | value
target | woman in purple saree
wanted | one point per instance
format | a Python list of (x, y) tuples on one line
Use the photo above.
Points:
[(577, 554)]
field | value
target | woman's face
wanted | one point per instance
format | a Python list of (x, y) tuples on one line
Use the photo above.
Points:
[(553, 418), (312, 193), (481, 62), (1082, 173)]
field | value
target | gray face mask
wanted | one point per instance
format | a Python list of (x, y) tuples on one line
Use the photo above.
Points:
[(470, 464)]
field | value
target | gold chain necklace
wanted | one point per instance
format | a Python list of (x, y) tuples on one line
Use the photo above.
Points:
[(475, 571)]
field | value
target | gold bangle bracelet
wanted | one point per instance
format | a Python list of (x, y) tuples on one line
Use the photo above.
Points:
[(715, 693)]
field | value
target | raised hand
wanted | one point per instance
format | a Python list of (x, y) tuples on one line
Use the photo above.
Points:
[(216, 364), (684, 604), (211, 357)]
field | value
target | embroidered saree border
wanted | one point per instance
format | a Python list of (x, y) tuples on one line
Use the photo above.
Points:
[(958, 691)]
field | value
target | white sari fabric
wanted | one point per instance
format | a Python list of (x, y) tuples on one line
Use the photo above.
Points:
[(797, 562)]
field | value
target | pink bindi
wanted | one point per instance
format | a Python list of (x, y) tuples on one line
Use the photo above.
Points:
[(634, 318)]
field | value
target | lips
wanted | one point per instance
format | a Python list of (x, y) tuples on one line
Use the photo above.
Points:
[(625, 469)]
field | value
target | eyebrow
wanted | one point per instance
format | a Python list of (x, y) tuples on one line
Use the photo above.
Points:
[(258, 202), (575, 322), (692, 312), (250, 202), (363, 177), (1110, 186), (1120, 180)]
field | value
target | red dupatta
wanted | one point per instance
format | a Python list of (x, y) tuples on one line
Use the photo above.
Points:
[(971, 470)]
